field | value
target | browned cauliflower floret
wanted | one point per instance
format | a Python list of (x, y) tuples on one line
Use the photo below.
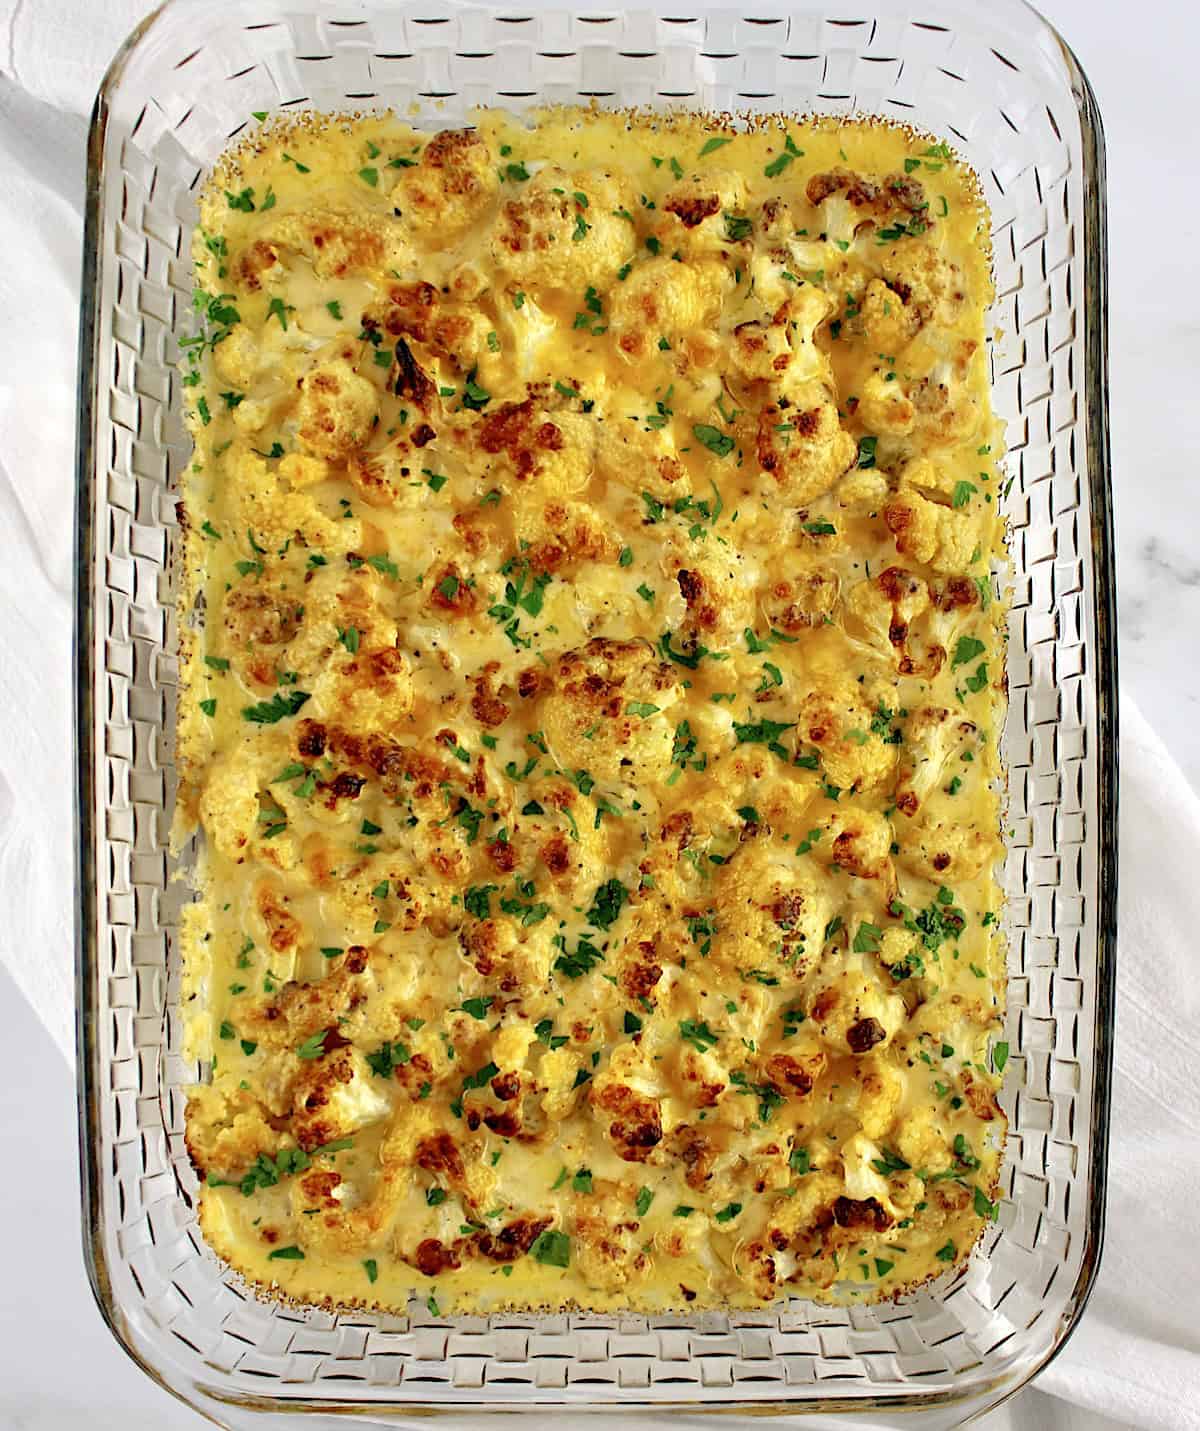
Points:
[(807, 597), (555, 451), (515, 958), (371, 690), (227, 1128), (927, 526), (257, 620), (229, 806), (606, 1247), (780, 349), (665, 300), (947, 853), (792, 1243), (922, 1139), (859, 842), (703, 214), (418, 313), (236, 358), (869, 1090), (558, 534), (932, 736), (449, 189), (838, 723), (804, 448), (642, 458), (848, 201), (564, 230), (609, 712), (718, 589), (771, 911), (852, 1009), (892, 614), (334, 1096), (886, 320), (883, 405), (626, 1097), (339, 245), (930, 287), (275, 515), (335, 411)]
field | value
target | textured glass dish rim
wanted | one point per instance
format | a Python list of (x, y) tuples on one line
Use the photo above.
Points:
[(89, 1084)]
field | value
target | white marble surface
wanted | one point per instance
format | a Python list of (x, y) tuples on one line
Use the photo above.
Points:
[(60, 1367)]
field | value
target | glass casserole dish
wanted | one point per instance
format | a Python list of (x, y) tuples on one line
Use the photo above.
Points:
[(1010, 95)]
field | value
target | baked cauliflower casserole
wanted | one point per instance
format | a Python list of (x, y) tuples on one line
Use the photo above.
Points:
[(592, 679)]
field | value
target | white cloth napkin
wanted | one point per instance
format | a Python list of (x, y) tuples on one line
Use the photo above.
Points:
[(1136, 1356)]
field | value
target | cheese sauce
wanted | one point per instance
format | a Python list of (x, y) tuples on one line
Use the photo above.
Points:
[(592, 681)]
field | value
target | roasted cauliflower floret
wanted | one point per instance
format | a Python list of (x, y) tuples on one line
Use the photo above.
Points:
[(274, 516), (627, 1097), (642, 458), (807, 597), (853, 1010), (771, 912), (665, 300), (704, 214), (947, 853), (932, 737), (884, 406), (717, 587), (849, 201), (227, 1130), (606, 1246), (229, 806), (336, 410), (449, 189), (930, 287), (564, 231), (340, 245), (555, 451), (333, 1097), (927, 526), (887, 321), (560, 534), (804, 448), (622, 694), (781, 350), (517, 959), (236, 357), (838, 723)]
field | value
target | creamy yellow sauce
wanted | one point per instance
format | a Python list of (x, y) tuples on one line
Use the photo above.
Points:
[(592, 682)]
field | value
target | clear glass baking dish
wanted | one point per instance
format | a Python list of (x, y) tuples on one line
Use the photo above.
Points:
[(1002, 85)]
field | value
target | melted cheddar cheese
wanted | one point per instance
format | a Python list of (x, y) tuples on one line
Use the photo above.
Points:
[(592, 680)]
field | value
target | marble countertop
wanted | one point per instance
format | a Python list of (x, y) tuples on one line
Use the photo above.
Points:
[(63, 1369)]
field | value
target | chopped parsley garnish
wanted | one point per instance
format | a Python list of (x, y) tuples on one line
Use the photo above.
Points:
[(967, 648), (763, 732), (717, 442), (313, 1046), (277, 708), (552, 1249), (698, 1034), (781, 162), (607, 904)]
